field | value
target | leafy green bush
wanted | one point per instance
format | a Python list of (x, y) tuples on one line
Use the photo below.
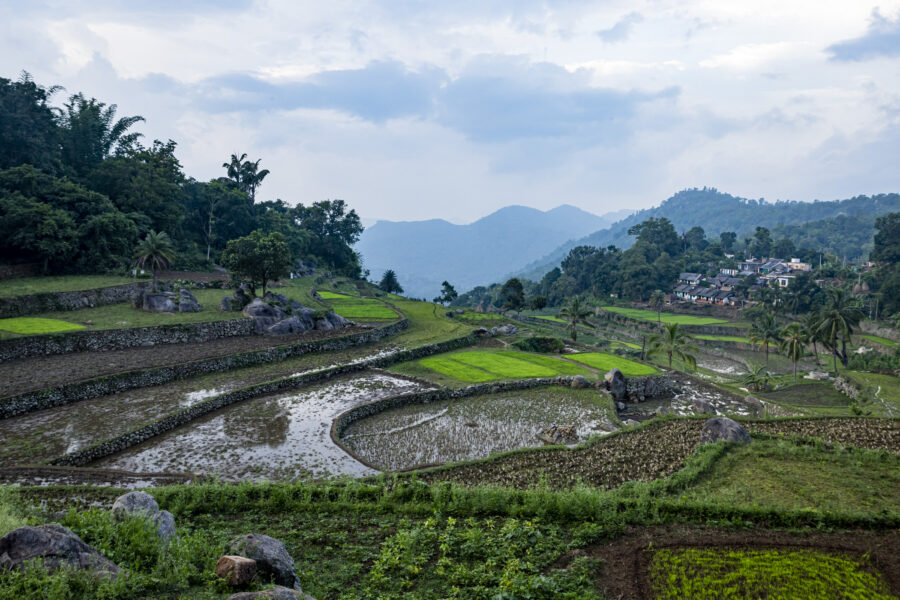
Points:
[(545, 345)]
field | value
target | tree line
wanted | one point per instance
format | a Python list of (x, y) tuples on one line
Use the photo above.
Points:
[(79, 190)]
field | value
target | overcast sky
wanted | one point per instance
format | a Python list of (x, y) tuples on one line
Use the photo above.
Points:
[(413, 109)]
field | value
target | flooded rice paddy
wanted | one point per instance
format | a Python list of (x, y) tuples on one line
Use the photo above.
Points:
[(469, 428), (279, 437)]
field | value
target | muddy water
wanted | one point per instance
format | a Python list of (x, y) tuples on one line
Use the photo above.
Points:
[(280, 437), (472, 427), (721, 364), (50, 433), (683, 403)]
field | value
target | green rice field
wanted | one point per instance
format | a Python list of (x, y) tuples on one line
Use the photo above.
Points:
[(480, 366), (880, 340), (604, 362), (36, 325), (650, 315), (62, 283), (723, 338), (332, 295), (551, 318), (358, 309)]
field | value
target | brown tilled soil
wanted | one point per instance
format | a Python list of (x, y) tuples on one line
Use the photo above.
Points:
[(49, 371), (650, 453), (625, 571)]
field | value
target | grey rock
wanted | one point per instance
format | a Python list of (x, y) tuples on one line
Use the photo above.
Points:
[(324, 325), (272, 558), (721, 429), (165, 524), (186, 294), (337, 320), (702, 407), (188, 305), (481, 331), (579, 382), (276, 593), (615, 383), (226, 304), (620, 405), (307, 315), (295, 306), (133, 503), (56, 546), (258, 308), (276, 298), (288, 326), (242, 296), (158, 303)]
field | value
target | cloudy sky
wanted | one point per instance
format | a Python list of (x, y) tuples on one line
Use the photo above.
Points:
[(411, 109)]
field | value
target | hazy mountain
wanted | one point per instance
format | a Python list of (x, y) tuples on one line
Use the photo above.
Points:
[(716, 212), (425, 253)]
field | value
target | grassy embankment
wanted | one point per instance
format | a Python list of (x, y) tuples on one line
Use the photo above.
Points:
[(25, 286), (651, 315)]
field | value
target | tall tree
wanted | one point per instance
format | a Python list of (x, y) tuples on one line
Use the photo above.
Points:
[(246, 174), (675, 342), (837, 320), (91, 133), (258, 259), (810, 327), (389, 283), (793, 343), (729, 239), (657, 301), (513, 293), (575, 312), (764, 331), (448, 294), (155, 252), (28, 132)]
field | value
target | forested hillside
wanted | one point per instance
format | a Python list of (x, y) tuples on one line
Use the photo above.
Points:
[(716, 212)]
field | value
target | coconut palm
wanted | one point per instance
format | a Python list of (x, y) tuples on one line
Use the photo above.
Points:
[(155, 252), (657, 300), (793, 343), (810, 326), (575, 312), (837, 320), (674, 341), (765, 332), (246, 174)]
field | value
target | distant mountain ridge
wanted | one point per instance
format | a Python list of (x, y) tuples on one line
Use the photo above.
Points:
[(716, 212), (425, 253)]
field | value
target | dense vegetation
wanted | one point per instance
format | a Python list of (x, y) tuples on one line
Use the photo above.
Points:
[(78, 190)]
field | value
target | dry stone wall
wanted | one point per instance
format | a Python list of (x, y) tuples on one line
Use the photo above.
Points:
[(120, 382), (18, 306), (118, 339)]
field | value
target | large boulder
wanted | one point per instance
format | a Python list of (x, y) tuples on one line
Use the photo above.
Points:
[(579, 382), (187, 302), (615, 383), (158, 303), (264, 315), (143, 504), (337, 321), (723, 429), (324, 324), (307, 316), (702, 407), (56, 546), (288, 326), (236, 570), (272, 558)]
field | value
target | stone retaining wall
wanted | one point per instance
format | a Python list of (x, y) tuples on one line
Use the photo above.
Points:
[(184, 416), (18, 306), (120, 382), (118, 339), (640, 389)]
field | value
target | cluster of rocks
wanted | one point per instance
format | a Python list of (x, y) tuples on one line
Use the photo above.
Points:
[(168, 302), (277, 314), (252, 558), (559, 434), (508, 329)]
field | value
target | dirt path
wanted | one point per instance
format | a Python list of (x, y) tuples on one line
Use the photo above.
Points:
[(49, 371)]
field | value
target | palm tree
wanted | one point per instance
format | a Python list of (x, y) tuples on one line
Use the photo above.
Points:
[(764, 332), (657, 300), (810, 327), (575, 312), (90, 132), (793, 343), (674, 341), (837, 320), (246, 174), (757, 380), (155, 251)]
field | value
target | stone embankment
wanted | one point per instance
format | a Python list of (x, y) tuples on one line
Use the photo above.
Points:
[(18, 306)]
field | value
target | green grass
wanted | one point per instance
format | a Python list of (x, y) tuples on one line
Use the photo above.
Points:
[(605, 362), (36, 325), (723, 338), (650, 315), (785, 476), (880, 340), (326, 295), (813, 393), (554, 319), (720, 574), (362, 309), (64, 283), (884, 388), (476, 366)]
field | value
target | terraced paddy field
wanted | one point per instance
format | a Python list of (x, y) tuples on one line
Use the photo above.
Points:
[(880, 340), (605, 362), (479, 366), (475, 427), (650, 315), (21, 326), (358, 309), (25, 286), (282, 437)]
